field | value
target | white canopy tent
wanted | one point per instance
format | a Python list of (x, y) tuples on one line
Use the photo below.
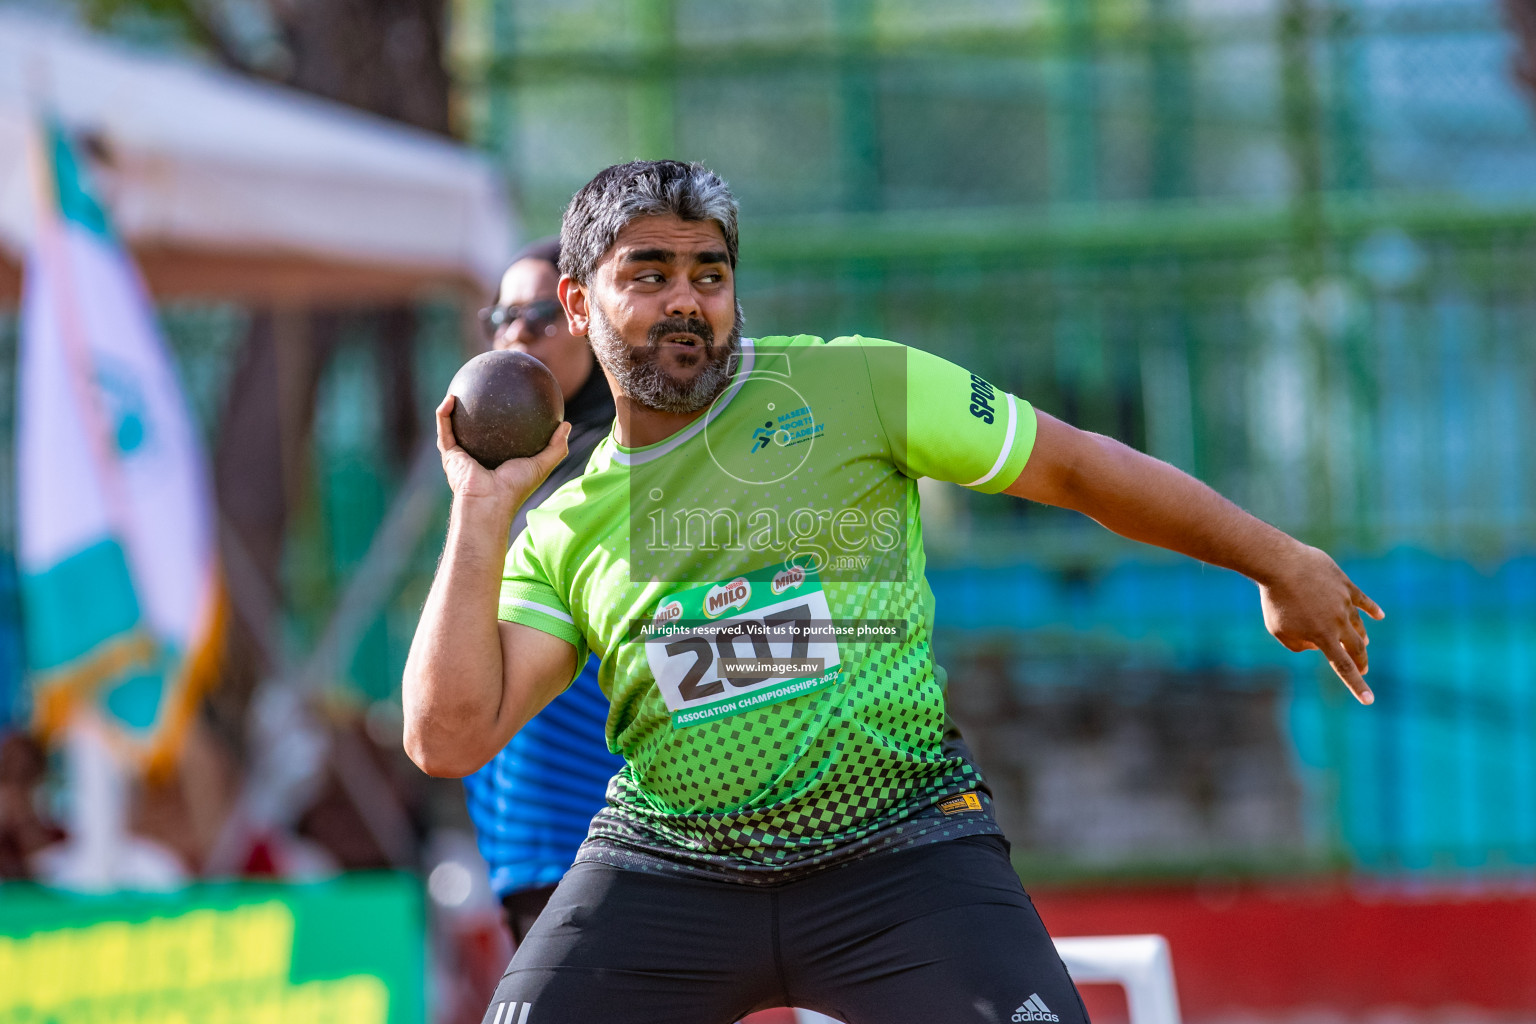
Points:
[(230, 189), (224, 187)]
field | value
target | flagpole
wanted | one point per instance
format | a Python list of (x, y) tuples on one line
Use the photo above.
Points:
[(101, 854), (98, 806)]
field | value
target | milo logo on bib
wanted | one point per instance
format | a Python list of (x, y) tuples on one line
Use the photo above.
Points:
[(722, 598), (787, 579), (756, 639)]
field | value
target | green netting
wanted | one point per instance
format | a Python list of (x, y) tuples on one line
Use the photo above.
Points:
[(1214, 235)]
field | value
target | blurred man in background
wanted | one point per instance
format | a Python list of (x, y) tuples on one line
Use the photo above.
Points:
[(532, 803)]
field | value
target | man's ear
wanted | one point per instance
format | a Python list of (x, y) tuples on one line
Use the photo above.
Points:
[(574, 298)]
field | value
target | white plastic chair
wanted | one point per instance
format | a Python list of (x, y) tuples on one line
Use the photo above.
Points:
[(1140, 963)]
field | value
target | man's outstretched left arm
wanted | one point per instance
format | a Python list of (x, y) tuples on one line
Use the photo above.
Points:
[(1308, 601)]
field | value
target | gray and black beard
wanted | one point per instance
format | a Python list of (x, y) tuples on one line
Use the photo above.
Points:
[(638, 369)]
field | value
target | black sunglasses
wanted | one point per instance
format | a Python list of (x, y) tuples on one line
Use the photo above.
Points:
[(540, 316)]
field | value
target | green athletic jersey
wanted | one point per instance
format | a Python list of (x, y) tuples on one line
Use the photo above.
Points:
[(754, 588)]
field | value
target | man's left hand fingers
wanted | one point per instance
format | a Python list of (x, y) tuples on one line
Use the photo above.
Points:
[(1358, 598), (1354, 646), (1344, 667), (1359, 627)]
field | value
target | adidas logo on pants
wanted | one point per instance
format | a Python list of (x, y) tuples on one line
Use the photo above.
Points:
[(1034, 1008)]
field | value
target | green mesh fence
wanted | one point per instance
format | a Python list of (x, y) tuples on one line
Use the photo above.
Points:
[(1282, 245)]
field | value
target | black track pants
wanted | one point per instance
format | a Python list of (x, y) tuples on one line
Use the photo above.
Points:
[(939, 934)]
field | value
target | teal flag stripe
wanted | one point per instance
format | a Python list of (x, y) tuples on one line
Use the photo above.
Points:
[(135, 702), (77, 200), (79, 603)]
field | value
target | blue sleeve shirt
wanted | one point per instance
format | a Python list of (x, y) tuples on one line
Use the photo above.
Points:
[(532, 804)]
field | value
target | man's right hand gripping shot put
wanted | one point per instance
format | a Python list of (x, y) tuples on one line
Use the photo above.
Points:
[(744, 554)]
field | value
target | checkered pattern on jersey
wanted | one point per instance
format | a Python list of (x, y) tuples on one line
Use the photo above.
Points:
[(613, 844), (787, 783)]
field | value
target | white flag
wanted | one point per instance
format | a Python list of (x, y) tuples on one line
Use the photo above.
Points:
[(121, 600)]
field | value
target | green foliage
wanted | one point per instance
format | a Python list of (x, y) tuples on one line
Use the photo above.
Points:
[(181, 20)]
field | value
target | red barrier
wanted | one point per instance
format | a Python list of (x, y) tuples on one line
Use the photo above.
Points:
[(1346, 948)]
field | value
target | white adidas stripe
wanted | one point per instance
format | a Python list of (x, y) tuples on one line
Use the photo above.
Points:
[(511, 1012)]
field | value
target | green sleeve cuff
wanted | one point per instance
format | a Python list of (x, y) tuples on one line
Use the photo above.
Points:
[(533, 606), (1017, 446)]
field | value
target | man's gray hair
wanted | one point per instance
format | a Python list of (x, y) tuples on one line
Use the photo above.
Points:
[(641, 188)]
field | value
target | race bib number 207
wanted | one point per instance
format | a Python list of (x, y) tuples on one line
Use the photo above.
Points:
[(728, 647)]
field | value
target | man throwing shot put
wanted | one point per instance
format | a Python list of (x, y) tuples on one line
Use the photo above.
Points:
[(744, 556)]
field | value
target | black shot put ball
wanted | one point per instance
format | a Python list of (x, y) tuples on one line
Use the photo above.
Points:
[(506, 405)]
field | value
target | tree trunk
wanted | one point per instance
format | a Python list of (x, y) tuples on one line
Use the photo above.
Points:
[(1522, 21), (384, 57)]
